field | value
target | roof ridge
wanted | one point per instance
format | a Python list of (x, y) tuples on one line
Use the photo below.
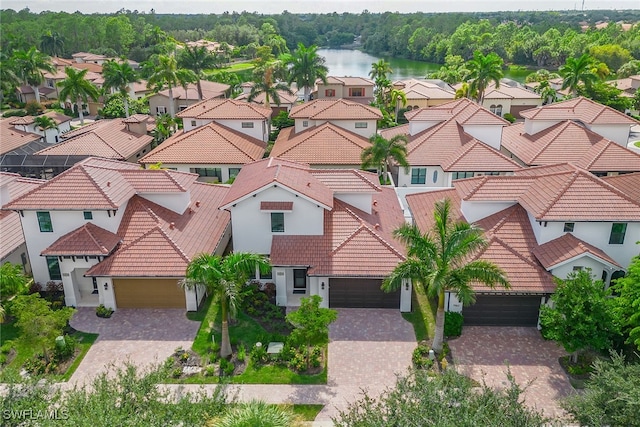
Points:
[(562, 190), (512, 250), (475, 189), (93, 181), (598, 152), (609, 187), (93, 237), (558, 131), (174, 244)]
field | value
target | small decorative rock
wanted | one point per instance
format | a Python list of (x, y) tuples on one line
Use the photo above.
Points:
[(191, 370), (275, 347)]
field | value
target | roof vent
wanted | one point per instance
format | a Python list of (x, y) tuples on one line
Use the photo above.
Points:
[(198, 203), (375, 202), (377, 226), (172, 225), (108, 183)]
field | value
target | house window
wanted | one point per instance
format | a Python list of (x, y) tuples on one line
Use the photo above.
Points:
[(435, 176), (356, 91), (233, 172), (182, 107), (329, 93), (568, 227), (305, 123), (208, 172), (54, 268), (161, 109), (418, 175), (277, 222), (578, 268), (461, 175), (496, 109), (247, 125), (87, 214), (299, 281), (44, 221), (193, 123), (618, 230), (361, 125)]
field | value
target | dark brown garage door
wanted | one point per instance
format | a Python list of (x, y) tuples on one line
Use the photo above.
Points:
[(361, 293), (148, 293), (503, 310), (516, 109)]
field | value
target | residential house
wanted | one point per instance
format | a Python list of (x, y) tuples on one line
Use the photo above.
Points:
[(12, 245), (26, 94), (352, 116), (116, 139), (287, 100), (327, 232), (451, 141), (511, 97), (89, 58), (568, 141), (541, 223), (356, 89), (627, 183), (51, 136), (118, 235), (13, 140), (422, 93), (212, 47), (248, 118), (185, 97)]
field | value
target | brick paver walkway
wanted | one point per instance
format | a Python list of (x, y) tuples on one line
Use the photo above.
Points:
[(483, 353)]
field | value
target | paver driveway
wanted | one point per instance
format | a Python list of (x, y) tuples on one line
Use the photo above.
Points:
[(142, 336), (483, 352)]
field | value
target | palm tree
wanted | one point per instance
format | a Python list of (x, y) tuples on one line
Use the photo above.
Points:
[(482, 71), (382, 151), (466, 91), (223, 277), (9, 78), (52, 43), (77, 88), (305, 67), (31, 65), (380, 69), (269, 86), (441, 260), (576, 71), (167, 73), (397, 96), (45, 122), (197, 59), (119, 75)]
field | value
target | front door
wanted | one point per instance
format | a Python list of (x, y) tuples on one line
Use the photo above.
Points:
[(299, 281)]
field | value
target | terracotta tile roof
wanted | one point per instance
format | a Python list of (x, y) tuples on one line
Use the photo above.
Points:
[(12, 139), (326, 144), (61, 61), (476, 154), (209, 144), (606, 156), (425, 89), (347, 81), (273, 171), (285, 98), (580, 108), (96, 69), (396, 130), (463, 110), (138, 118), (223, 109), (628, 183), (96, 184), (422, 204), (16, 185), (210, 90), (348, 180), (11, 232), (349, 233), (565, 248), (86, 240), (334, 109), (173, 239), (276, 206), (104, 138), (509, 92)]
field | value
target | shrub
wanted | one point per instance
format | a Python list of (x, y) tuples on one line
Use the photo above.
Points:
[(53, 286), (3, 359), (209, 371), (104, 312), (65, 350), (14, 113), (316, 353), (258, 355), (509, 117), (176, 373), (420, 357), (242, 353), (299, 361), (6, 348), (453, 324), (35, 287), (35, 365), (226, 367), (34, 108)]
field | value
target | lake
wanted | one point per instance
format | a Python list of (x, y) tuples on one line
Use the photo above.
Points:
[(354, 63)]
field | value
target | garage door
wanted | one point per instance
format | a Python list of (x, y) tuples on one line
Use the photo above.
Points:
[(148, 293), (503, 310), (361, 293), (516, 109)]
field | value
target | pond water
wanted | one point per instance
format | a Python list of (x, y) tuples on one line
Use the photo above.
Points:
[(354, 63)]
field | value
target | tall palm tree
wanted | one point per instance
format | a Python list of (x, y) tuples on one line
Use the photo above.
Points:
[(9, 76), (397, 96), (31, 65), (466, 91), (223, 277), (197, 59), (119, 75), (576, 71), (441, 260), (380, 69), (381, 151), (52, 43), (305, 67), (166, 73), (267, 84), (78, 89), (45, 123), (482, 71)]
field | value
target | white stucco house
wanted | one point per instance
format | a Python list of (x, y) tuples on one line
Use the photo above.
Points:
[(327, 232), (51, 136), (118, 235)]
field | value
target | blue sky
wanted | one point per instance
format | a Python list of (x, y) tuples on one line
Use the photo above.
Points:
[(308, 6)]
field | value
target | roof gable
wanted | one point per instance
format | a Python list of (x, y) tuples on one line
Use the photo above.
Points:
[(225, 109), (567, 247), (338, 109), (579, 108), (83, 241)]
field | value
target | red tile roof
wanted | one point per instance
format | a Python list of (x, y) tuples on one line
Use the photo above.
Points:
[(422, 205), (225, 109), (273, 171), (209, 144), (12, 138), (276, 206), (463, 110), (628, 183), (86, 240), (173, 239), (347, 81), (210, 90), (348, 180), (17, 185), (334, 109), (108, 138), (285, 98), (349, 233), (470, 156), (326, 144), (580, 108), (565, 248), (607, 156)]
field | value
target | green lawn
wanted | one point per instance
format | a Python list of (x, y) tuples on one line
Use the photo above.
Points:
[(307, 412), (637, 144), (423, 314)]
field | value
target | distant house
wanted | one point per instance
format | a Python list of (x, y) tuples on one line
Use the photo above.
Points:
[(118, 235), (352, 116), (511, 97), (287, 100), (327, 232), (422, 93), (51, 136), (183, 98), (17, 141), (357, 89)]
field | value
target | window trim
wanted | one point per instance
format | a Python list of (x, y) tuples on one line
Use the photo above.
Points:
[(51, 261), (356, 92), (617, 238), (247, 125), (87, 215), (361, 125), (569, 227), (276, 222), (42, 221), (330, 93), (418, 176)]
